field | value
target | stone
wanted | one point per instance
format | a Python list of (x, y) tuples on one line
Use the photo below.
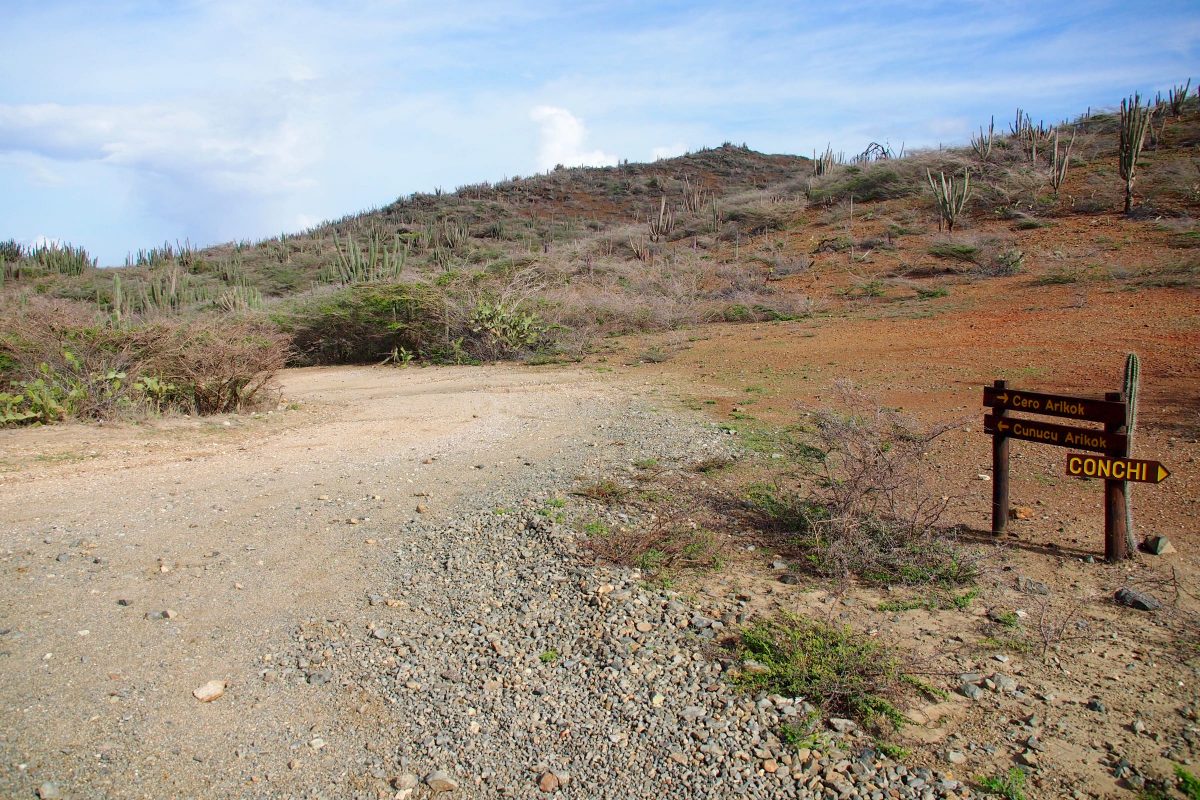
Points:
[(49, 791), (405, 781), (1158, 545), (317, 743), (549, 782), (1004, 683), (678, 757), (971, 691), (1028, 758), (440, 781), (421, 508), (1030, 586), (754, 667), (1021, 512), (789, 578), (644, 627), (842, 725), (956, 756), (771, 766), (210, 691), (1097, 705), (1138, 600)]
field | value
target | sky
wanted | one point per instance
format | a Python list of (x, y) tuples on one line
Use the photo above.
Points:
[(127, 124)]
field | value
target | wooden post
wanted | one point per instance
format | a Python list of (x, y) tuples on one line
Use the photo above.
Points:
[(1115, 547), (1000, 472)]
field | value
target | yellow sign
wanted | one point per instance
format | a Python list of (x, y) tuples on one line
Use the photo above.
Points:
[(1116, 469)]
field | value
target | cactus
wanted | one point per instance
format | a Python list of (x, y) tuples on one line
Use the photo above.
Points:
[(982, 145), (823, 163), (1129, 388), (951, 197), (1058, 167), (1135, 118), (661, 228), (1177, 96)]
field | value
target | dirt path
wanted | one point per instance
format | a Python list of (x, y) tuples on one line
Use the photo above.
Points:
[(241, 527)]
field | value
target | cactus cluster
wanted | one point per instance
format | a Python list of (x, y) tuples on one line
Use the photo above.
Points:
[(1135, 118), (378, 263), (951, 196)]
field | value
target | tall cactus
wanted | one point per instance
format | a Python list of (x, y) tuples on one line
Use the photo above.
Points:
[(951, 197), (1135, 118), (1130, 386)]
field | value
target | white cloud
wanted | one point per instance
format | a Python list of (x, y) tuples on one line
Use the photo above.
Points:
[(562, 140), (260, 153)]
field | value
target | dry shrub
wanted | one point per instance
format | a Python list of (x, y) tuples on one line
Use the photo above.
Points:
[(220, 365), (59, 361), (870, 512)]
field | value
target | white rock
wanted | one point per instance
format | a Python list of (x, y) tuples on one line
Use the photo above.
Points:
[(210, 691)]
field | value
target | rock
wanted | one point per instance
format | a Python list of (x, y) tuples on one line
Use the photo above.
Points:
[(644, 627), (1134, 599), (842, 725), (1158, 545), (754, 667), (49, 791), (440, 781), (678, 757), (317, 743), (1028, 758), (1021, 512), (210, 691), (421, 508), (971, 691), (62, 558), (405, 781), (1097, 705), (1004, 683), (1030, 586), (549, 782), (789, 578), (771, 766), (779, 565), (956, 756)]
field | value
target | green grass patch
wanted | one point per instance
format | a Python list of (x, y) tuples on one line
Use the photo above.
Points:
[(548, 656), (849, 674), (1010, 785), (955, 251)]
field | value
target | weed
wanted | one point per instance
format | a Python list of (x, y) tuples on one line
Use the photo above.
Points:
[(1189, 784), (955, 251), (651, 560), (646, 463), (548, 656), (1056, 278), (931, 293), (595, 528), (710, 465), (605, 490), (848, 673), (1010, 786), (893, 751)]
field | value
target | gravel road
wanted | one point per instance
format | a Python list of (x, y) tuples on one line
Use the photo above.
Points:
[(376, 584)]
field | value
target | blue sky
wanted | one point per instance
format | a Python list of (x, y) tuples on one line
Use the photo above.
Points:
[(124, 124)]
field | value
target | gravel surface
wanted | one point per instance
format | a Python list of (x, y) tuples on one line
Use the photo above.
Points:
[(393, 616)]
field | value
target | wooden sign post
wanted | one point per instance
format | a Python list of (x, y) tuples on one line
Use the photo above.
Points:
[(1112, 442)]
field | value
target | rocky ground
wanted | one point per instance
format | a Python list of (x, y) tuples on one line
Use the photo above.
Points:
[(373, 593)]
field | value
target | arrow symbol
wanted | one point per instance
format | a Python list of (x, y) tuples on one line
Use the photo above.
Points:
[(1162, 473), (1003, 398), (1001, 426)]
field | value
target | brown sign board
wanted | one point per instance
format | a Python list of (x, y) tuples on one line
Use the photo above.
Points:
[(1055, 405), (1058, 435), (1115, 469)]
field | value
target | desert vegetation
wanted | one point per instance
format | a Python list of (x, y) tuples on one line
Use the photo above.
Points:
[(543, 268)]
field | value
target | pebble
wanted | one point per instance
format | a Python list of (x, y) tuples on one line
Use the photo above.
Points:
[(440, 781), (210, 691), (49, 791)]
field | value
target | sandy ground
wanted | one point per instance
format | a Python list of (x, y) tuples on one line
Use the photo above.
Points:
[(241, 527)]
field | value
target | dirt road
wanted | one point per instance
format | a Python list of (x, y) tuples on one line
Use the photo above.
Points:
[(143, 561)]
